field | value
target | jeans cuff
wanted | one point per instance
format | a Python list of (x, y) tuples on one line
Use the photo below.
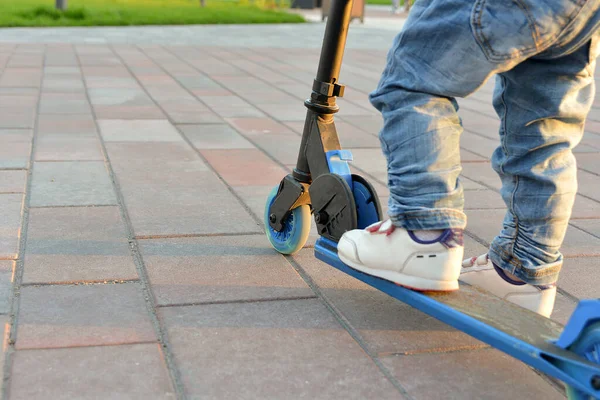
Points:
[(430, 219), (541, 275)]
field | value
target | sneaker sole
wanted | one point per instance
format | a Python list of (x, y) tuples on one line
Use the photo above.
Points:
[(407, 281)]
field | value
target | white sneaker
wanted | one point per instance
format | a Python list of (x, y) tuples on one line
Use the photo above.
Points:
[(480, 272), (396, 255)]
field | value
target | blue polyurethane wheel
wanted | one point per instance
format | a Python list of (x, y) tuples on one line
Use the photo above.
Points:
[(587, 346), (368, 209), (295, 229)]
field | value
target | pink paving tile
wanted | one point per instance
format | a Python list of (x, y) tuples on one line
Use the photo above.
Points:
[(257, 126), (83, 315), (243, 167)]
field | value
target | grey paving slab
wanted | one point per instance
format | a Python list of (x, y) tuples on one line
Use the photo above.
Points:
[(282, 147), (6, 279), (483, 199), (138, 131), (484, 374), (275, 349), (64, 103), (588, 184), (579, 276), (385, 324), (71, 183), (58, 147), (10, 220), (16, 118), (70, 125), (482, 173), (486, 224), (63, 85), (21, 77), (187, 198), (219, 269), (120, 372), (371, 161), (585, 208), (591, 226), (13, 181), (214, 136), (74, 244), (82, 315), (15, 148)]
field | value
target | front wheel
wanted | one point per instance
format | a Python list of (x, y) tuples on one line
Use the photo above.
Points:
[(295, 230)]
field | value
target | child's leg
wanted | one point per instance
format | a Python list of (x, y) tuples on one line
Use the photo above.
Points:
[(542, 104)]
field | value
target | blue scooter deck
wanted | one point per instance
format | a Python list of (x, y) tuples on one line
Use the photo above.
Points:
[(518, 332)]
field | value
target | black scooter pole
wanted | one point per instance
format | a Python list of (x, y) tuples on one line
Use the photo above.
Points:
[(325, 87), (334, 41)]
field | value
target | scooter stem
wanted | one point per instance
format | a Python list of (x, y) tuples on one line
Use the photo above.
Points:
[(334, 41)]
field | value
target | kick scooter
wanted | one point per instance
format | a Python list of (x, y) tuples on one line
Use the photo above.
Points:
[(322, 185)]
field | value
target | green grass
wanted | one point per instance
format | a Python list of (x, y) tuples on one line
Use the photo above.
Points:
[(37, 13)]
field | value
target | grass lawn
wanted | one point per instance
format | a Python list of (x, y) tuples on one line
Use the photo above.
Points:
[(137, 12)]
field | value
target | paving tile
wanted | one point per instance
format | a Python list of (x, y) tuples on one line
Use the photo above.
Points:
[(82, 315), (239, 167), (468, 184), (284, 112), (18, 100), (57, 147), (96, 82), (6, 278), (585, 208), (64, 103), (589, 163), (486, 224), (371, 161), (482, 173), (13, 181), (191, 116), (275, 349), (591, 226), (283, 147), (117, 372), (214, 136), (385, 324), (182, 271), (579, 276), (371, 124), (484, 374), (138, 131), (563, 308), (10, 224), (75, 124), (21, 77), (16, 118), (71, 184), (63, 85), (187, 198), (129, 112), (254, 126), (483, 199), (15, 148), (119, 97), (589, 184), (77, 244)]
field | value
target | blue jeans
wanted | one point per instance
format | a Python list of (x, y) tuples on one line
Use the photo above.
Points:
[(543, 53)]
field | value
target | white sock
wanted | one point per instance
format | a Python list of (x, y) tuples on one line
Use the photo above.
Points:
[(428, 235)]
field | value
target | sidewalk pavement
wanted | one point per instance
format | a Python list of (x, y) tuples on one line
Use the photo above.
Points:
[(133, 261)]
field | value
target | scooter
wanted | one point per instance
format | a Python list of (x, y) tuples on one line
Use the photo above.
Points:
[(322, 185)]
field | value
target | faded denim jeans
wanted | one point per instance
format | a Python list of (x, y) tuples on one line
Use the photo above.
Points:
[(544, 54)]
